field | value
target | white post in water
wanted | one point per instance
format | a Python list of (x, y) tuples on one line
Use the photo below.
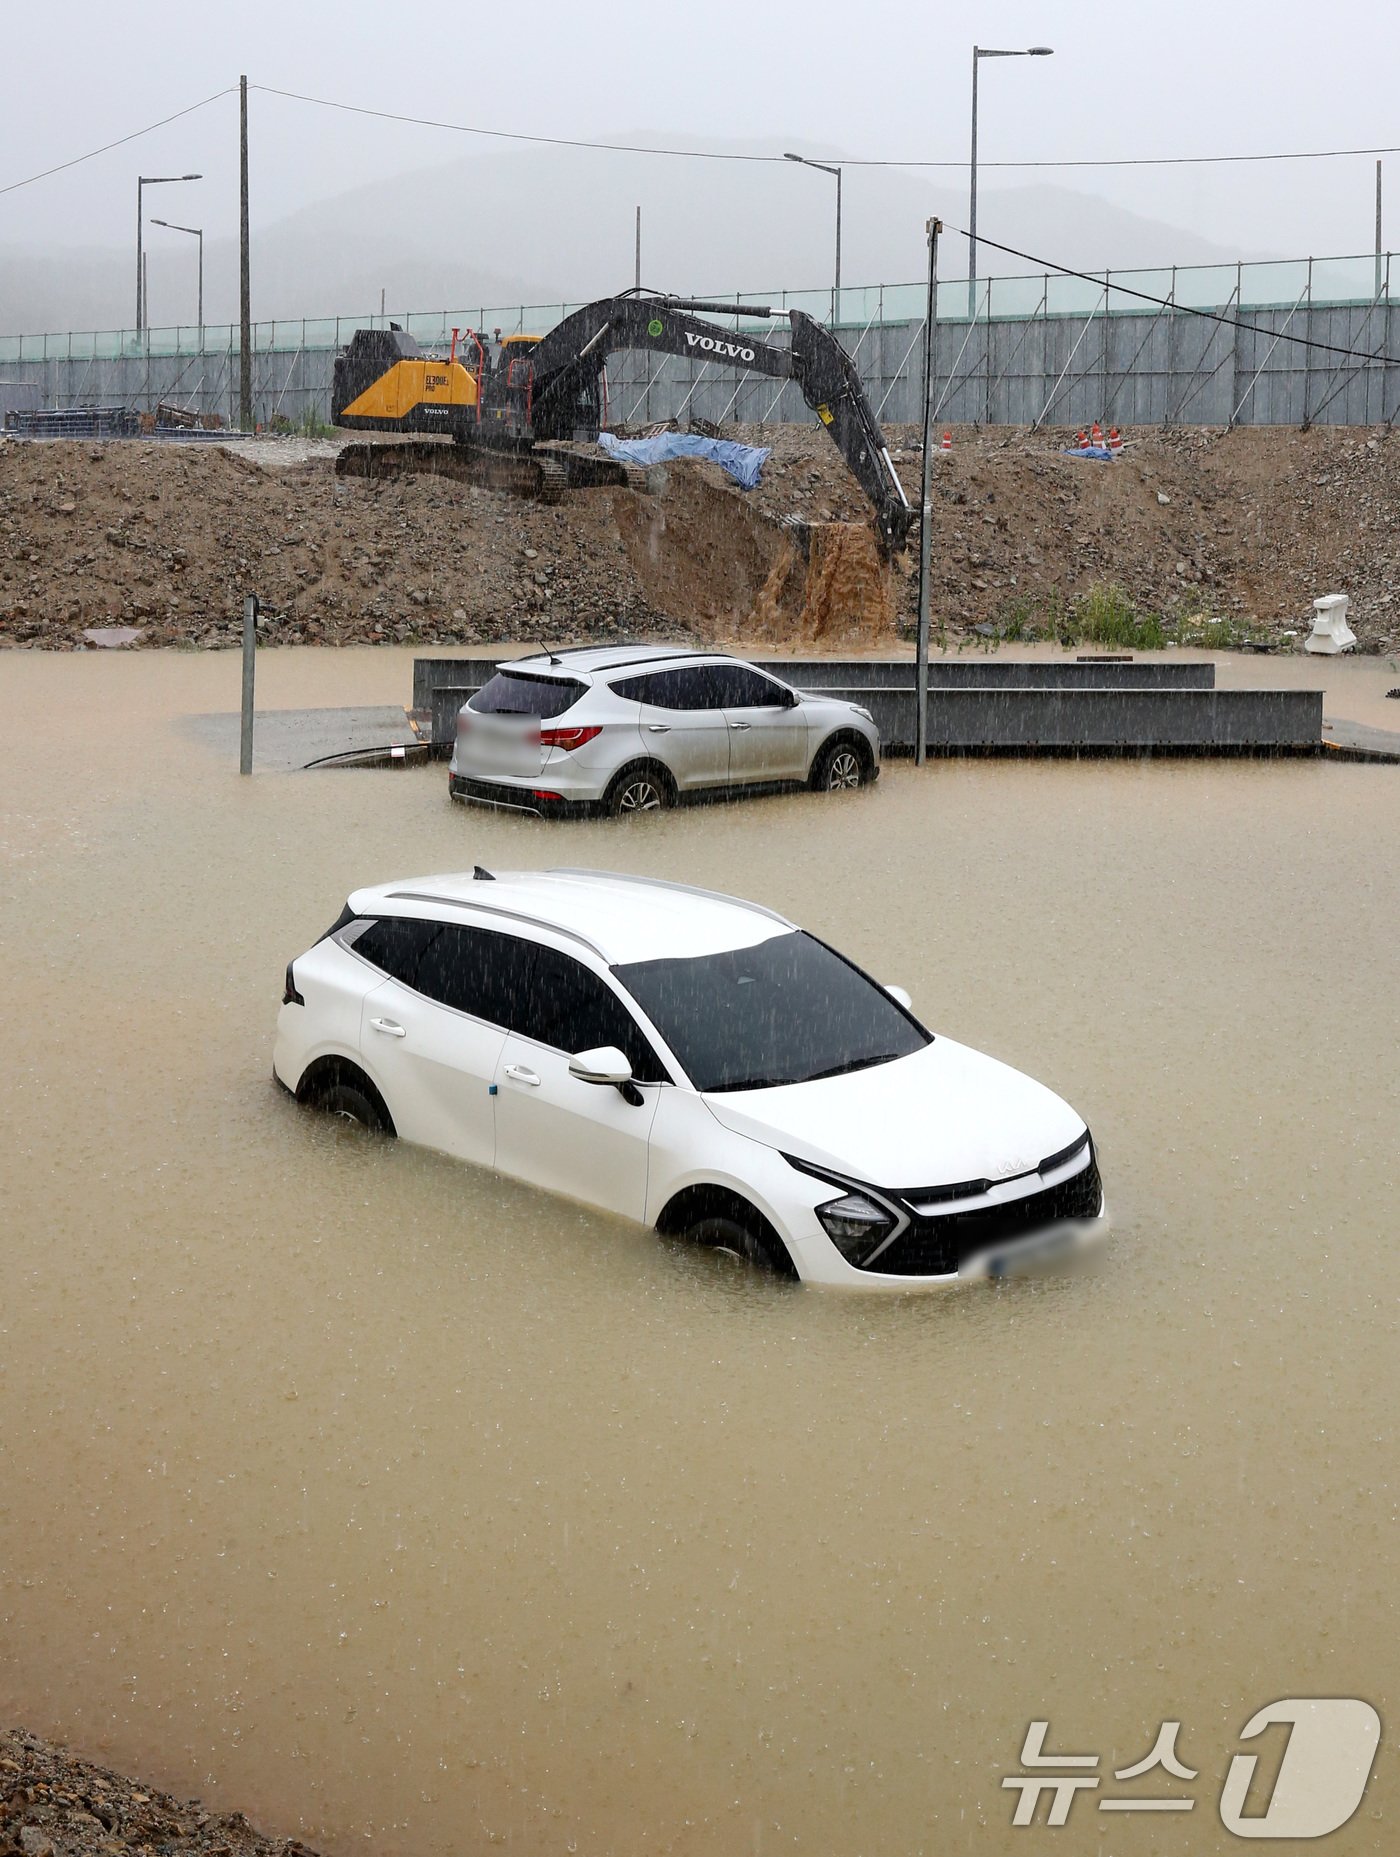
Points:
[(250, 641), (935, 226)]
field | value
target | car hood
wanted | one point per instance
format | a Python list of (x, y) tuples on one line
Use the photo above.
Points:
[(943, 1114)]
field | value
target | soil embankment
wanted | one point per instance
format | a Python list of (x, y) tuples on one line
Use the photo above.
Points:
[(1249, 525)]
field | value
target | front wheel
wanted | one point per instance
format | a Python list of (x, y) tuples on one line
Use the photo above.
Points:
[(840, 767), (637, 789), (740, 1242)]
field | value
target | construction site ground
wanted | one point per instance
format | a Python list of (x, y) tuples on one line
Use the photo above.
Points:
[(1247, 527)]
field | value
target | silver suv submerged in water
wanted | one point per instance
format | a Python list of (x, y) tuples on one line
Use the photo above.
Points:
[(634, 728)]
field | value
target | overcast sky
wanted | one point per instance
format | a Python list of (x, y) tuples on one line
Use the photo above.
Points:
[(882, 78)]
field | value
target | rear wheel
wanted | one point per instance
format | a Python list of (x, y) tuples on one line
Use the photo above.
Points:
[(638, 789), (840, 767), (349, 1096)]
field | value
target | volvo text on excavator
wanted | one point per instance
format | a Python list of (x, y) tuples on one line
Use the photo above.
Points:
[(524, 412)]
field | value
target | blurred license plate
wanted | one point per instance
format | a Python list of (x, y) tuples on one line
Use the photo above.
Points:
[(1024, 1255), (500, 745)]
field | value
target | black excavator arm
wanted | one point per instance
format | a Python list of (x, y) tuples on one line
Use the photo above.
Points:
[(568, 363)]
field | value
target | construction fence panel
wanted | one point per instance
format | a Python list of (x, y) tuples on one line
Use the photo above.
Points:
[(1057, 351)]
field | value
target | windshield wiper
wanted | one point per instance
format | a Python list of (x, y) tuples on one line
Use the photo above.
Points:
[(778, 1083), (855, 1063)]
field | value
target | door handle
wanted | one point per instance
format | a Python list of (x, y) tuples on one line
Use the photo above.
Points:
[(658, 728), (518, 1074), (390, 1027), (741, 725)]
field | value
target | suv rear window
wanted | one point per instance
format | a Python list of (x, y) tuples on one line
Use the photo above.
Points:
[(521, 693)]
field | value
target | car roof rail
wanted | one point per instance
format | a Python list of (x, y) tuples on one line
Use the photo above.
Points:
[(663, 883), (494, 909)]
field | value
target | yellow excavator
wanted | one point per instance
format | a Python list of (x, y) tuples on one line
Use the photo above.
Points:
[(523, 412)]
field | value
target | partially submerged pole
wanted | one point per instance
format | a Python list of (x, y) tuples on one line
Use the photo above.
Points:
[(935, 226), (250, 642)]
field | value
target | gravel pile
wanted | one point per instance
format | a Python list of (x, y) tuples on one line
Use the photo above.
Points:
[(52, 1805)]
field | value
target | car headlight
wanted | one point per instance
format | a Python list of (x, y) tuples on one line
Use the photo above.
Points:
[(855, 1224), (860, 711)]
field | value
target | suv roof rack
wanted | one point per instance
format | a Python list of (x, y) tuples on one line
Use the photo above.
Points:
[(663, 883)]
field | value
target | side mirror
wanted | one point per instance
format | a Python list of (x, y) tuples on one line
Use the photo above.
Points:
[(604, 1064), (900, 994), (791, 700)]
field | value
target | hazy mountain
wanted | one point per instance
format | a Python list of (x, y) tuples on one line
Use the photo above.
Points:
[(539, 226)]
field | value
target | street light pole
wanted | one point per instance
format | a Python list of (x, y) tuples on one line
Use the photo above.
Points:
[(825, 169), (935, 226), (982, 51), (143, 181), (198, 233)]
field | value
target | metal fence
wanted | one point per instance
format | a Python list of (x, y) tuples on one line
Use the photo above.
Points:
[(1126, 346)]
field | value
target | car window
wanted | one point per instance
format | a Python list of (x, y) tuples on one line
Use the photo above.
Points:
[(395, 945), (742, 688), (522, 693), (789, 1010), (476, 970), (694, 686), (571, 1008)]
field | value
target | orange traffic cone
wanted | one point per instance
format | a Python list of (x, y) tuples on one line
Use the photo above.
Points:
[(1097, 433), (1080, 441), (1115, 439), (947, 441)]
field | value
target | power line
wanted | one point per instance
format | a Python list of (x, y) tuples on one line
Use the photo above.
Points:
[(853, 161), (1185, 309), (512, 135), (1130, 161), (696, 154), (106, 147)]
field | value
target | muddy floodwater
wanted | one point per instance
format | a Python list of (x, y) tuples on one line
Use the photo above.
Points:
[(407, 1509)]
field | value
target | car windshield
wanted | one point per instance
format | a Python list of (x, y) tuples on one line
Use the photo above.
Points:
[(789, 1010), (521, 693)]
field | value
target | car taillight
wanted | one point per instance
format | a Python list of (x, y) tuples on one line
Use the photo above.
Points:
[(290, 995), (568, 738), (463, 722)]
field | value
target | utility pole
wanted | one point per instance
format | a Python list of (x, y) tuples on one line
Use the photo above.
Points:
[(1379, 247), (935, 226), (245, 311), (638, 277)]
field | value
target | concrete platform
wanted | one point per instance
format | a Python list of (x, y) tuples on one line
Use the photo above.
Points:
[(288, 740), (1356, 741)]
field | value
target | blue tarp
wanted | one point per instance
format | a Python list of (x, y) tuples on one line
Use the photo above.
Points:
[(743, 462), (1100, 452)]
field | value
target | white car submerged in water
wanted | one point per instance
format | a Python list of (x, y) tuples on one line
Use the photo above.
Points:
[(628, 729), (688, 1060)]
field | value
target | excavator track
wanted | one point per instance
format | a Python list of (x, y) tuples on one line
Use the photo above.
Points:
[(545, 474)]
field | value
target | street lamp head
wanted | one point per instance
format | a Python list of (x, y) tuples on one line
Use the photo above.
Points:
[(1040, 51), (791, 157)]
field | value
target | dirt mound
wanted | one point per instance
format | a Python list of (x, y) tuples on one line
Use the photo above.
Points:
[(171, 540), (1251, 525)]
